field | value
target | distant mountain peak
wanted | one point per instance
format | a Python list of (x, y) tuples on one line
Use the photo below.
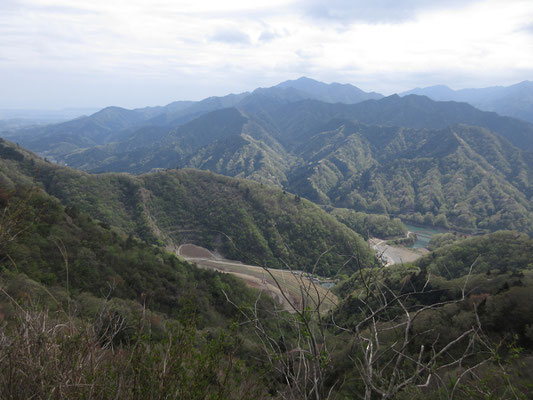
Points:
[(329, 92), (305, 79), (392, 98), (111, 109), (526, 84), (514, 101), (436, 92), (439, 87)]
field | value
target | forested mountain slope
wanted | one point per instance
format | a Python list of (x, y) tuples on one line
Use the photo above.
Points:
[(115, 124), (61, 247), (442, 163), (297, 119), (74, 274), (242, 219), (464, 176)]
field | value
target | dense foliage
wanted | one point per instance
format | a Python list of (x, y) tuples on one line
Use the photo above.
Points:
[(442, 239), (89, 290), (433, 163), (266, 226), (370, 225), (66, 248), (243, 220), (494, 273), (52, 354), (497, 270), (463, 176), (86, 311), (106, 314), (428, 177)]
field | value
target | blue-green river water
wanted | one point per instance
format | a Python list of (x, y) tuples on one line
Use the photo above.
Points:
[(423, 234)]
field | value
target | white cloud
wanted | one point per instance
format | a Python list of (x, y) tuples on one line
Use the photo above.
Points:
[(218, 47), (375, 11), (230, 36)]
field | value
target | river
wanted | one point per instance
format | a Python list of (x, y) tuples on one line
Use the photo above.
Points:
[(400, 254), (423, 234)]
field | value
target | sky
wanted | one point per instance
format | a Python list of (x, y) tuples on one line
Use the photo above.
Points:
[(132, 53)]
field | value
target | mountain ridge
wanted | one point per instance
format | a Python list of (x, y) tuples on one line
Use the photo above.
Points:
[(395, 155), (242, 219), (513, 101)]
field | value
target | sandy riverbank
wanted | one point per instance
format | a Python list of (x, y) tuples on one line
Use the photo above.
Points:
[(396, 254)]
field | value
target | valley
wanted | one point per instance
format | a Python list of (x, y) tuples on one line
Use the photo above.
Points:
[(442, 164), (266, 200), (252, 246)]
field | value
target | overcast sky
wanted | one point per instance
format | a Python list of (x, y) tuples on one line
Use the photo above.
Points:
[(131, 53)]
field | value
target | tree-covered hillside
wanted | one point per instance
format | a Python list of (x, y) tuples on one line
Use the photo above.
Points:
[(478, 287), (87, 311), (117, 125), (461, 176), (434, 163), (62, 247), (242, 219), (84, 277)]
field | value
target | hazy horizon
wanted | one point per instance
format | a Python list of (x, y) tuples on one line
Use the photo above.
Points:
[(59, 54), (6, 110)]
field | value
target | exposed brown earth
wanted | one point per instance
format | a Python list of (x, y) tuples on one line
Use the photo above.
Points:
[(193, 251), (283, 286)]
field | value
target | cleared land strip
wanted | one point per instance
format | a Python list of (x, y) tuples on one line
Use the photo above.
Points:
[(291, 282)]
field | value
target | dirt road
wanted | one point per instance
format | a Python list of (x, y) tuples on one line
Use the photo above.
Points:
[(290, 282)]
